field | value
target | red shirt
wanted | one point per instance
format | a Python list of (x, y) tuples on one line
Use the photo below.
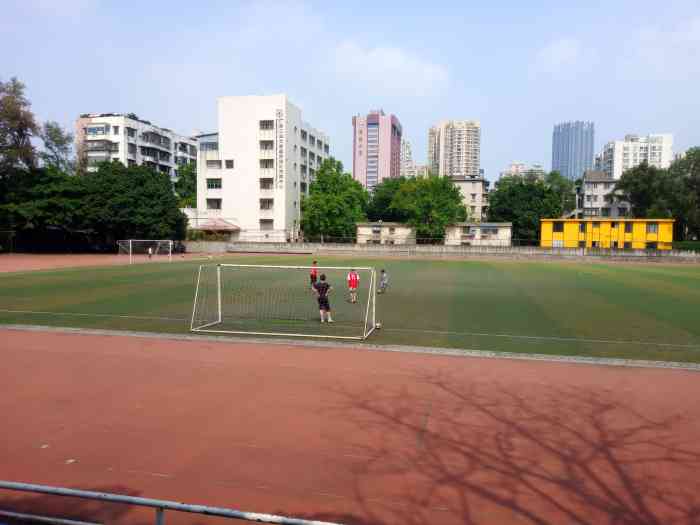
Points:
[(313, 273), (353, 280)]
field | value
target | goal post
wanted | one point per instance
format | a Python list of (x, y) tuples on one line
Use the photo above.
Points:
[(280, 301), (148, 248)]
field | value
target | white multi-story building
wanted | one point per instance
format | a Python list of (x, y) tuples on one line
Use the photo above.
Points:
[(254, 171), (520, 169), (454, 149), (408, 167), (619, 156), (132, 141), (597, 198), (475, 196)]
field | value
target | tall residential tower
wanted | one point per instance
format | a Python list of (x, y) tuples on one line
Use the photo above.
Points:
[(572, 148), (376, 148), (620, 155), (454, 149)]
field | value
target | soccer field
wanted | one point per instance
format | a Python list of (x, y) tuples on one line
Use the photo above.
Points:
[(640, 311)]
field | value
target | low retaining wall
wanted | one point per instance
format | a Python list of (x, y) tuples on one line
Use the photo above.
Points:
[(418, 250)]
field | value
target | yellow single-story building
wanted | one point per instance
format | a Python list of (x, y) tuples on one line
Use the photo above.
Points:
[(618, 233)]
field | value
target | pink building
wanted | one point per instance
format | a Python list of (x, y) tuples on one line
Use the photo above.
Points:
[(376, 148)]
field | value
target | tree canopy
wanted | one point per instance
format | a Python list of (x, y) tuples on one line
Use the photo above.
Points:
[(430, 204), (524, 203), (379, 208), (57, 146), (186, 185), (17, 127), (336, 203)]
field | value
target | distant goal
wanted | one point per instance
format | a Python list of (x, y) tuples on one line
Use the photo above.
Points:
[(143, 250), (279, 301)]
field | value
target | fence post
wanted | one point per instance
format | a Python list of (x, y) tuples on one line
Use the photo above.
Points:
[(160, 516)]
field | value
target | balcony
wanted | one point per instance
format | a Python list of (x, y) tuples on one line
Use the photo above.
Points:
[(266, 134), (266, 172), (267, 153), (267, 214)]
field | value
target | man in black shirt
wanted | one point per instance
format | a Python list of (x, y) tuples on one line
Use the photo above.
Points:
[(322, 289)]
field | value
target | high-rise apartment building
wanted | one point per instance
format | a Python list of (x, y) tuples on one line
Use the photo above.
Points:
[(376, 148), (572, 148), (254, 171), (454, 149), (408, 167), (133, 141), (620, 155)]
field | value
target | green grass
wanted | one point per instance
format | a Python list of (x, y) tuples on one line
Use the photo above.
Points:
[(641, 311)]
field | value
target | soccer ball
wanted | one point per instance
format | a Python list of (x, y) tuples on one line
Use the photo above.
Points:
[(378, 325)]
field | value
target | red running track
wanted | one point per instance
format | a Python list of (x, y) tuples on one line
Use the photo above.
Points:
[(355, 436)]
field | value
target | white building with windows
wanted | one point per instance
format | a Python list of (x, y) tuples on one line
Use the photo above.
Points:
[(255, 169), (408, 166), (385, 233), (454, 149), (479, 234), (475, 196), (520, 169), (598, 197), (132, 141), (619, 156)]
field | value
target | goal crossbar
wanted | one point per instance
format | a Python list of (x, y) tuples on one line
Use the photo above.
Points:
[(223, 301)]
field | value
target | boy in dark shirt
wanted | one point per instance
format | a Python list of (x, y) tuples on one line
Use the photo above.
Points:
[(322, 289)]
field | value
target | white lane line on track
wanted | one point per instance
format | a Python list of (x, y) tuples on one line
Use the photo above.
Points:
[(401, 330)]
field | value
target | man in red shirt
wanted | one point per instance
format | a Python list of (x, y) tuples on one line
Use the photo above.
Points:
[(353, 285), (313, 274)]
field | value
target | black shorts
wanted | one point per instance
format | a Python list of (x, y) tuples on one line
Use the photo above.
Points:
[(323, 304)]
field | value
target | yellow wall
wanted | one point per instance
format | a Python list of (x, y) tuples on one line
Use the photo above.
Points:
[(606, 233)]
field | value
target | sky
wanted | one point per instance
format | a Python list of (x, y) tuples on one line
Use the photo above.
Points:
[(517, 66)]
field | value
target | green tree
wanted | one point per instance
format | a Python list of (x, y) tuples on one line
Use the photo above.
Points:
[(186, 185), (564, 187), (648, 190), (336, 203), (131, 203), (57, 144), (430, 204), (524, 203), (379, 208), (684, 183), (17, 127)]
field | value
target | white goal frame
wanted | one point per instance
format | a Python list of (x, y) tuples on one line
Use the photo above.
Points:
[(370, 316), (129, 243)]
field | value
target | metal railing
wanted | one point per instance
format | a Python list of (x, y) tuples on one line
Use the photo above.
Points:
[(160, 506)]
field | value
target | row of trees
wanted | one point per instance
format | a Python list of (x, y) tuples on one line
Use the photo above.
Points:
[(666, 193), (336, 202), (51, 204)]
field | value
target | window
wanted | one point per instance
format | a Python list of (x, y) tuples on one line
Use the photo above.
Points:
[(130, 132), (213, 204), (267, 163), (582, 227), (558, 227), (622, 212), (392, 230), (95, 130), (376, 230), (266, 184), (266, 204), (594, 244), (302, 186), (652, 227), (628, 227), (267, 124), (473, 197), (209, 146), (214, 164), (613, 224), (581, 244), (473, 209), (605, 212), (266, 224), (229, 164), (116, 130), (628, 246), (596, 225), (267, 145), (652, 246), (213, 184)]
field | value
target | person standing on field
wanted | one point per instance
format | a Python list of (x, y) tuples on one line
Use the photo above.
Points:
[(353, 285), (313, 274), (322, 289), (150, 252), (383, 281)]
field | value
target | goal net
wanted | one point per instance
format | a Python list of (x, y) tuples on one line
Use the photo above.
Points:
[(279, 300), (140, 250)]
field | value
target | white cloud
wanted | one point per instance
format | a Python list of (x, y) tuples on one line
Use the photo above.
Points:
[(559, 54), (668, 51), (388, 70)]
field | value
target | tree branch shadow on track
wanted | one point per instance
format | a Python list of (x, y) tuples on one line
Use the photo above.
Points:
[(481, 453), (66, 507)]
